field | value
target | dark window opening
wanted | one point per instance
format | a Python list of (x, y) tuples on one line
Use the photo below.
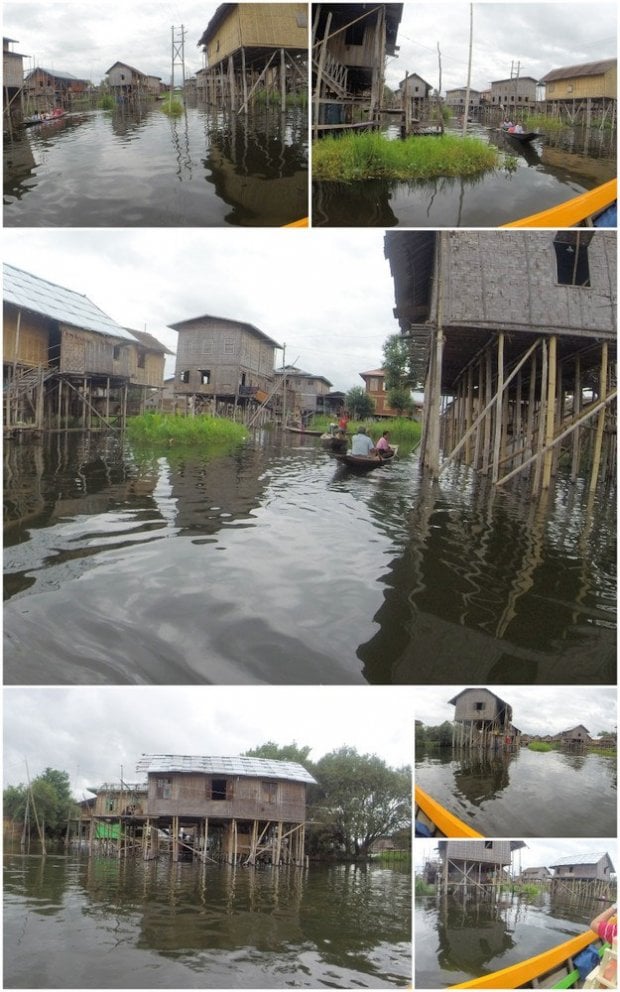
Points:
[(270, 791), (141, 360), (218, 788), (488, 845), (116, 352), (354, 34), (572, 263), (184, 376), (480, 706), (205, 376), (164, 788)]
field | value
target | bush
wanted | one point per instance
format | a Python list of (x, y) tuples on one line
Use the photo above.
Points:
[(166, 429)]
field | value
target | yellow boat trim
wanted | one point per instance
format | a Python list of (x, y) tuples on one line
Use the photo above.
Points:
[(574, 211), (298, 223), (447, 823), (518, 975)]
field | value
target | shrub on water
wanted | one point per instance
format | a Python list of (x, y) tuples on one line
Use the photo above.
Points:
[(165, 429), (172, 107)]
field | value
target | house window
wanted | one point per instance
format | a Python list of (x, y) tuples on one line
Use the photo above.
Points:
[(488, 845), (163, 787), (205, 377), (109, 805), (184, 376), (480, 706), (354, 34), (269, 791), (302, 21), (229, 346), (116, 352), (218, 788), (572, 263), (141, 359)]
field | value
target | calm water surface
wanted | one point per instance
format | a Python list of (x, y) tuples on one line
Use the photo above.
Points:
[(275, 565), (524, 793), (455, 942), (75, 922), (547, 172), (128, 168)]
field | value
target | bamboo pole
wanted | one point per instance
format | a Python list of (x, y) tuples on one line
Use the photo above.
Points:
[(598, 439), (498, 408), (551, 409)]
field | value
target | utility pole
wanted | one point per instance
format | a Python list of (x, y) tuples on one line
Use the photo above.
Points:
[(283, 385), (467, 88), (178, 56)]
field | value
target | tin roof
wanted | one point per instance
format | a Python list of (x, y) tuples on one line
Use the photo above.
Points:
[(584, 69), (240, 765), (29, 292), (581, 859)]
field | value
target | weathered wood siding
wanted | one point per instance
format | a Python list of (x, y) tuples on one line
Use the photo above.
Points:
[(32, 345), (151, 372), (361, 55), (13, 70), (584, 87), (227, 352), (494, 279), (599, 871), (88, 353), (123, 75), (490, 852), (466, 706), (260, 25), (116, 803), (191, 794)]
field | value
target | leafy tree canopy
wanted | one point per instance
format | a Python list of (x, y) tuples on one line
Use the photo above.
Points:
[(397, 363), (48, 800), (288, 752), (359, 403), (400, 399)]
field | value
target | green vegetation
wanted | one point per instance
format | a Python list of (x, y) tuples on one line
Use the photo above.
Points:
[(370, 155), (540, 122), (106, 102), (439, 736), (357, 800), (423, 888), (359, 403), (48, 801), (402, 430), (172, 106), (166, 429), (539, 746)]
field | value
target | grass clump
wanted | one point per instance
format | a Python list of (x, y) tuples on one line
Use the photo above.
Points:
[(107, 102), (540, 122), (352, 157), (539, 746), (172, 106), (423, 888), (165, 429)]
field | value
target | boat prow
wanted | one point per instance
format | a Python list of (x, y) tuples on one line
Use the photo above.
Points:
[(434, 820), (366, 463), (582, 210)]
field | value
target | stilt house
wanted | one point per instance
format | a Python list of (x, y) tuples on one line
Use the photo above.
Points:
[(66, 363), (476, 862), (306, 392), (591, 86), (238, 809), (12, 80), (480, 718), (513, 339), (350, 43), (575, 735), (254, 45), (586, 874), (47, 88), (518, 93), (374, 382), (125, 82), (223, 364)]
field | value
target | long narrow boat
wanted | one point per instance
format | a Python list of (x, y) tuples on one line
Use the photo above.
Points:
[(582, 210), (434, 820), (334, 442), (553, 969), (366, 463), (303, 430), (523, 137)]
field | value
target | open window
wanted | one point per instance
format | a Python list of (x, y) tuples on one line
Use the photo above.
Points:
[(205, 377), (184, 376), (571, 254), (218, 789)]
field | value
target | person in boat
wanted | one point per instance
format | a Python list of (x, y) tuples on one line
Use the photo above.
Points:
[(507, 125), (518, 129), (605, 925), (362, 443), (383, 445), (342, 423)]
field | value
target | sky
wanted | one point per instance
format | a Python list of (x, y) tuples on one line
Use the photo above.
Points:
[(536, 853), (327, 296), (541, 710), (539, 36), (86, 39), (91, 732)]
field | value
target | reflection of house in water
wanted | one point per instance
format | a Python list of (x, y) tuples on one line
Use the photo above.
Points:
[(482, 719), (252, 46), (482, 774), (471, 934), (238, 810)]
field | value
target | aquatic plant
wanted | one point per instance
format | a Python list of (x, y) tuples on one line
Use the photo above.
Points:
[(165, 429), (539, 746), (423, 888), (541, 122), (172, 106), (370, 155), (106, 102)]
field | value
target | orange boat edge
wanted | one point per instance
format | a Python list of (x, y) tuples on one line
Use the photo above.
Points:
[(445, 824), (575, 212), (518, 976), (298, 223)]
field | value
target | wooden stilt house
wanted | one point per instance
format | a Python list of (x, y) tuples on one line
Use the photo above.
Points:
[(239, 810), (582, 92), (350, 43), (12, 83), (513, 340), (591, 875), (251, 47), (481, 719), (478, 864)]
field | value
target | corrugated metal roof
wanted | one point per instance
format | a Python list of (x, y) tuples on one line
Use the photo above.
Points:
[(584, 69), (239, 765), (580, 859), (40, 296)]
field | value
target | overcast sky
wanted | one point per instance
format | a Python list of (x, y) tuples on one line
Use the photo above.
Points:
[(540, 710), (539, 36), (327, 295), (90, 732), (86, 39), (536, 853)]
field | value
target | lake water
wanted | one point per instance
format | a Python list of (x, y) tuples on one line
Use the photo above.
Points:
[(276, 565), (140, 168), (456, 941), (75, 922), (547, 172), (524, 793)]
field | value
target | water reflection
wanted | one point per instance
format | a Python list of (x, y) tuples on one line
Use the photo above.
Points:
[(184, 925), (472, 591), (134, 166)]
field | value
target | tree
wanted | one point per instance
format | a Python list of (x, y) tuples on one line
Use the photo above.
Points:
[(400, 399), (397, 368), (359, 403), (361, 799), (49, 795), (288, 752)]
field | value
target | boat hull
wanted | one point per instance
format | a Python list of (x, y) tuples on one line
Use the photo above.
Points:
[(366, 463), (437, 820), (575, 212)]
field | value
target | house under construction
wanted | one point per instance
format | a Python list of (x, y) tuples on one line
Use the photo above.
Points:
[(513, 340), (251, 47), (235, 810)]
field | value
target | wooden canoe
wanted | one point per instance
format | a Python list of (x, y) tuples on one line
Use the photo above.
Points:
[(303, 430), (552, 969), (523, 138), (438, 820), (334, 442), (366, 463), (579, 211)]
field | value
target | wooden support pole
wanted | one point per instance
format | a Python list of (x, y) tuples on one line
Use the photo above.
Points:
[(542, 415), (497, 440), (551, 409), (600, 426), (577, 401)]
